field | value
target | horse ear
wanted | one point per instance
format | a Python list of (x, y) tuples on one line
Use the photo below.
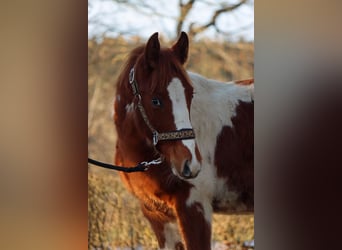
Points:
[(181, 47), (152, 50)]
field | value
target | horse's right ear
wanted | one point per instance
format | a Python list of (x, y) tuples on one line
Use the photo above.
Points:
[(181, 48), (152, 51)]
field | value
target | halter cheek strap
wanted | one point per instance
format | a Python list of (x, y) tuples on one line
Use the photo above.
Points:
[(182, 134)]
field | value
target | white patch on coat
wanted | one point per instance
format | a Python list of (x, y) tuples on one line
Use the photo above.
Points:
[(129, 107), (197, 197), (172, 235), (112, 113), (213, 106), (182, 117), (225, 198)]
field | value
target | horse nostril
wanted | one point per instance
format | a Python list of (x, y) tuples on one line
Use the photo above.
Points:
[(186, 170)]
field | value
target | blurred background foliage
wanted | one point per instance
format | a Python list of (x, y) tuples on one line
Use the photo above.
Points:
[(115, 219)]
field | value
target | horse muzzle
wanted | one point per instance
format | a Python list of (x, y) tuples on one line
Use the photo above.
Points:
[(187, 171)]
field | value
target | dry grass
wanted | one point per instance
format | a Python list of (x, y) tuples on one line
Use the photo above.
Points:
[(115, 218)]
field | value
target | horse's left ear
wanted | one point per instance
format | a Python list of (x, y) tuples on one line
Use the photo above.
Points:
[(181, 48), (152, 51)]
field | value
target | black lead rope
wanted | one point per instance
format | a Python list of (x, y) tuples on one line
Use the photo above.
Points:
[(141, 167)]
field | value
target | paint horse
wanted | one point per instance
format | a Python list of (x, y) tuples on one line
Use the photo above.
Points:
[(201, 129)]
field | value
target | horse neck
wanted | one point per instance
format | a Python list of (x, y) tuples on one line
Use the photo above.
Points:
[(218, 101), (219, 91)]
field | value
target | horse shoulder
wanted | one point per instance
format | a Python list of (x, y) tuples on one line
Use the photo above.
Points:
[(222, 118)]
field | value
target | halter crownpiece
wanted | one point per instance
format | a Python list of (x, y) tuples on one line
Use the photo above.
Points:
[(182, 134)]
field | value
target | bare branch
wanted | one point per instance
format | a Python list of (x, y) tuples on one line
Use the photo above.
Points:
[(163, 14), (193, 30), (184, 11), (236, 30), (144, 8)]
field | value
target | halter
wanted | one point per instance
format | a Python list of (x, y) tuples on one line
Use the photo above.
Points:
[(182, 134)]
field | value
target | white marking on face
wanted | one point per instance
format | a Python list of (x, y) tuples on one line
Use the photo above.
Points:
[(129, 107), (172, 235), (182, 118)]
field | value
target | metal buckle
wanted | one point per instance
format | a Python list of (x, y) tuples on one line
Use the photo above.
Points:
[(153, 162), (131, 76), (155, 137)]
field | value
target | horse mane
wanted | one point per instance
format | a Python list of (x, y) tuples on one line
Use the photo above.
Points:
[(167, 67), (122, 80)]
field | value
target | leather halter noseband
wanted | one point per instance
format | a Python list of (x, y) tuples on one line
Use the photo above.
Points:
[(182, 134)]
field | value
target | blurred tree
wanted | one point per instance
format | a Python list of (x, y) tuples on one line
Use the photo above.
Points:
[(222, 7), (192, 16)]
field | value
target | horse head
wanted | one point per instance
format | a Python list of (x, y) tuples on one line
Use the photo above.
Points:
[(156, 94)]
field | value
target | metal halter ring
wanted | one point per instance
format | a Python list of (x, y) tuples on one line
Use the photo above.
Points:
[(131, 76), (155, 137)]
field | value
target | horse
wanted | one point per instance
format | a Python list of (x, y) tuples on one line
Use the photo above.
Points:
[(199, 131)]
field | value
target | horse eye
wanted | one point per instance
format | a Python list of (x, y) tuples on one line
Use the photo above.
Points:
[(156, 102)]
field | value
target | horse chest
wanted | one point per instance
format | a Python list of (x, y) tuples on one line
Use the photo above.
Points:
[(215, 189), (224, 200)]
